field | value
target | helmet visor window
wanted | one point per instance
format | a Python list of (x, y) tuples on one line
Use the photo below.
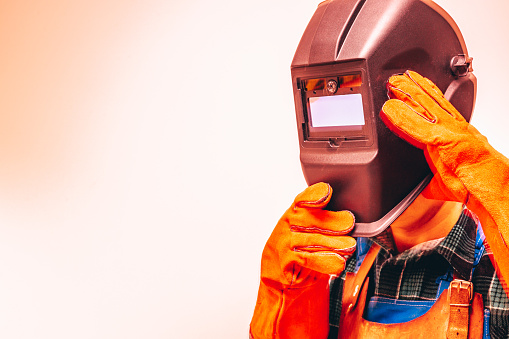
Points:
[(337, 111)]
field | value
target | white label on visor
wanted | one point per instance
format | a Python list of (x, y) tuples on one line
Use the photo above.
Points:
[(337, 110)]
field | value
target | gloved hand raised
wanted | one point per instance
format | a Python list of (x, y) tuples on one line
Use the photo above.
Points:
[(467, 168), (307, 245)]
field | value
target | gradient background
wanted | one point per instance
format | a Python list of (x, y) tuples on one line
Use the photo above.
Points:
[(147, 149)]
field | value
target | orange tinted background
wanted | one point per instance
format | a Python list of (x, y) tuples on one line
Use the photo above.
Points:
[(141, 170)]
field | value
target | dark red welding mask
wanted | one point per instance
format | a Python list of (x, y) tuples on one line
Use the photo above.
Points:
[(347, 53)]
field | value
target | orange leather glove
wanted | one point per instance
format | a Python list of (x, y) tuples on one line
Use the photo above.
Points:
[(307, 246), (466, 167)]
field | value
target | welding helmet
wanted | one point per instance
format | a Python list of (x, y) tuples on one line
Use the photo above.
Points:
[(339, 73)]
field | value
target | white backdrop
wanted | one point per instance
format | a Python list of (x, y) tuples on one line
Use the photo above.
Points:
[(143, 165)]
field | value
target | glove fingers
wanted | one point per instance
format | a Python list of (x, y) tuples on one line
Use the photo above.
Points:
[(322, 221), (402, 87), (312, 242), (314, 196), (435, 93), (323, 262), (407, 123)]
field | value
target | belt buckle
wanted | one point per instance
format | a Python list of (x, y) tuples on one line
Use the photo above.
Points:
[(459, 289)]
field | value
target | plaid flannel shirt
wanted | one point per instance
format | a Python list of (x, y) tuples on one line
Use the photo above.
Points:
[(415, 273)]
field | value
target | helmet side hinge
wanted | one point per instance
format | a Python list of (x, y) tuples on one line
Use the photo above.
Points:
[(461, 65)]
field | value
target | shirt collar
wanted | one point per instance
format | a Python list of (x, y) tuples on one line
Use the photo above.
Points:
[(458, 247)]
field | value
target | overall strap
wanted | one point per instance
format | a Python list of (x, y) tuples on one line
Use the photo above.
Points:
[(461, 295), (355, 281)]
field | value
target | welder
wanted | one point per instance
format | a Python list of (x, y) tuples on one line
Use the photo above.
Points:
[(404, 228)]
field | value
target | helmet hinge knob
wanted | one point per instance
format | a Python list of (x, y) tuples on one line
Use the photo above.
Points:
[(461, 64)]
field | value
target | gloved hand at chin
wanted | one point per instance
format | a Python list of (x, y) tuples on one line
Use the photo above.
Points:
[(467, 168), (307, 245)]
